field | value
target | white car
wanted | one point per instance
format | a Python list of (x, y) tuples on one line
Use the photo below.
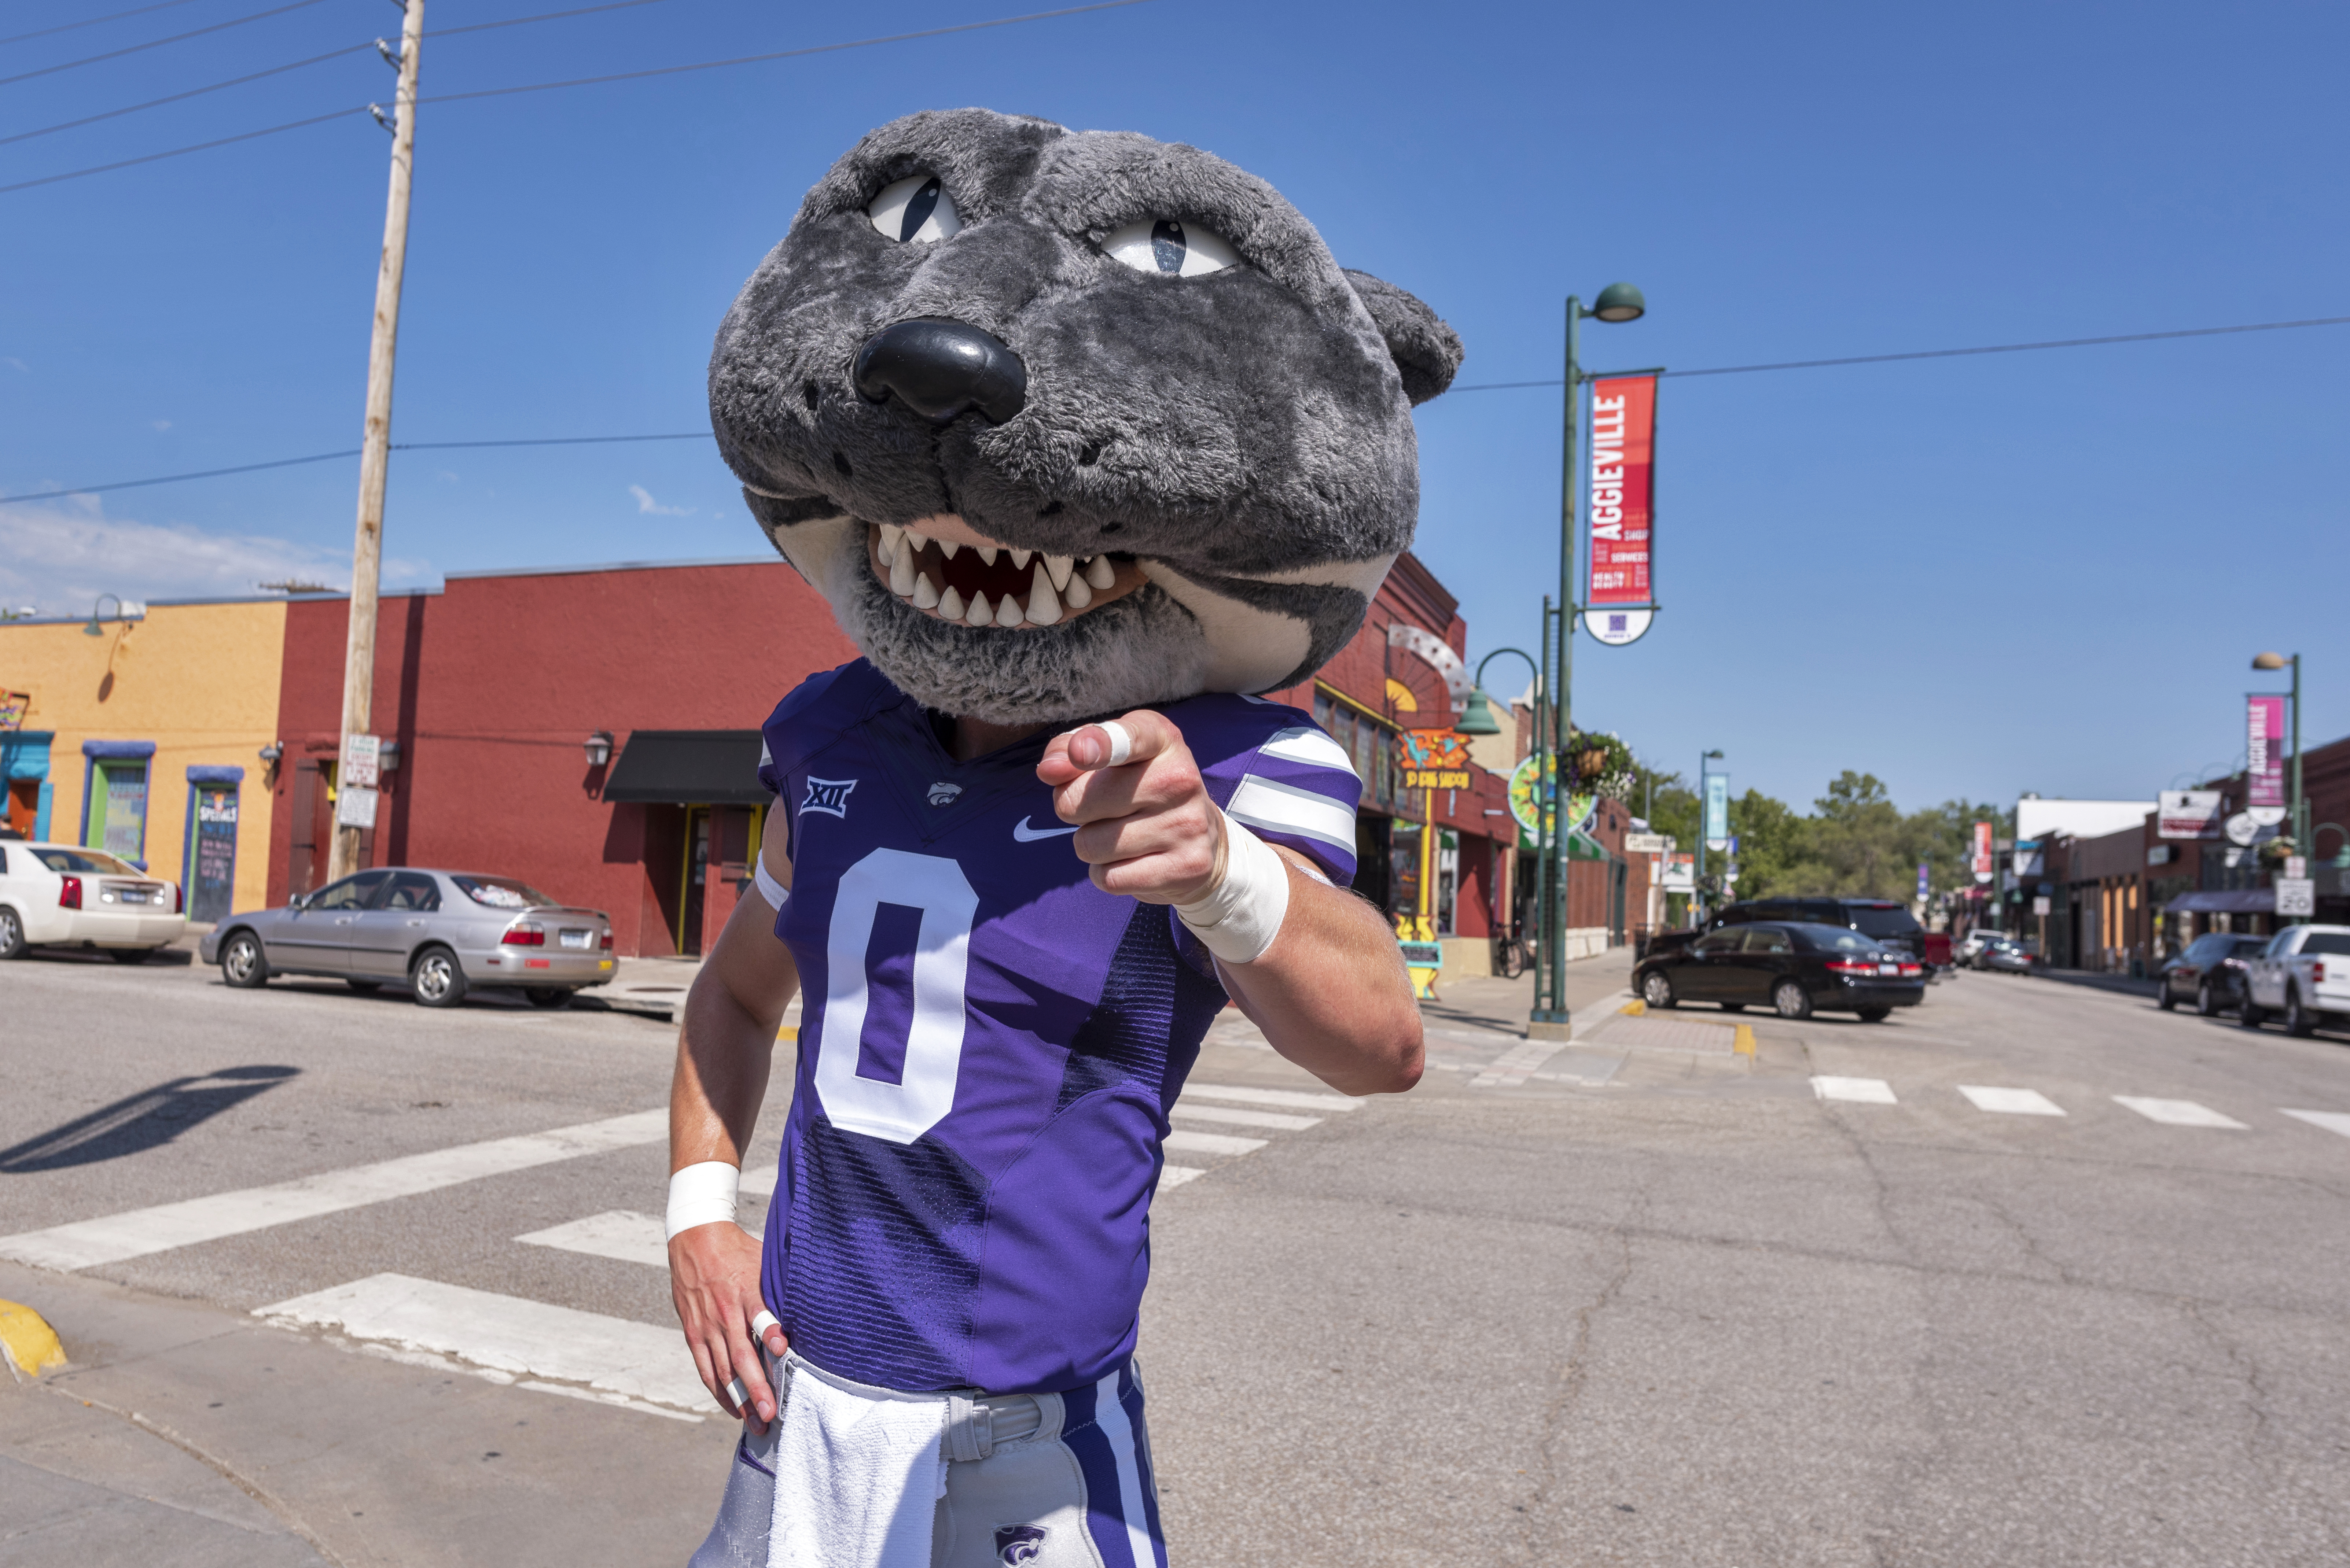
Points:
[(61, 895), (2303, 974)]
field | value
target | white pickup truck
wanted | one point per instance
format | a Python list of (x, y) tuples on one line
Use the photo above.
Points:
[(2303, 976)]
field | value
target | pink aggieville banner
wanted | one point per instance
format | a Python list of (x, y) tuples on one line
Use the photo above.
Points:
[(2264, 749), (1623, 487)]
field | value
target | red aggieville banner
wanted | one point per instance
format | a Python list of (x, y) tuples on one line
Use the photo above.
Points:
[(2264, 749), (1622, 490)]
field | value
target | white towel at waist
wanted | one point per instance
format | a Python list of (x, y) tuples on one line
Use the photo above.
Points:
[(858, 1474)]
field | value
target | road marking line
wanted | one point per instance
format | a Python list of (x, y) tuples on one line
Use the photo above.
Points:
[(1177, 1175), (2013, 1102), (136, 1233), (1516, 1066), (621, 1233), (2332, 1121), (1859, 1091), (1240, 1119), (1272, 1097), (2177, 1113), (523, 1339), (1210, 1143)]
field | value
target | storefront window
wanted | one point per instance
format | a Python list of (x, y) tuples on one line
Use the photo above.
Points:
[(1371, 745), (117, 808)]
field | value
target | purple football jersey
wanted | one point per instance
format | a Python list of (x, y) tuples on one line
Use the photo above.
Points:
[(988, 1042)]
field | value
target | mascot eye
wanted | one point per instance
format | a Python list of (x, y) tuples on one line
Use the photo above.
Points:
[(916, 208), (1178, 249)]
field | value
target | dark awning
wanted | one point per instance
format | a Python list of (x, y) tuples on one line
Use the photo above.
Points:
[(2225, 901), (689, 767)]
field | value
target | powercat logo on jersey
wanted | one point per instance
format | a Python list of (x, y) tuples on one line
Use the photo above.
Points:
[(1018, 1543), (830, 796)]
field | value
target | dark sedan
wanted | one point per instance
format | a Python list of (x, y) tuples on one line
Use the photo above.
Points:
[(1795, 970), (2209, 973)]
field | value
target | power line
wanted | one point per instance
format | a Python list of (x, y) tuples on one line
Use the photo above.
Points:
[(93, 21), (354, 452), (543, 16), (313, 60), (781, 54), (156, 43), (1488, 387), (192, 92), (581, 81), (1954, 353)]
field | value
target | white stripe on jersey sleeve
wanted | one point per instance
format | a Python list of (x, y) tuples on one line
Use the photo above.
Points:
[(1311, 747), (766, 757), (1285, 808)]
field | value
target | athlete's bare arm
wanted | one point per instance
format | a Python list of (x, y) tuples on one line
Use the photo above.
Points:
[(723, 1052), (1330, 993)]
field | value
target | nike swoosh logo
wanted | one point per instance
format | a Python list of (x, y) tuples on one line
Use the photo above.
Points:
[(1024, 834)]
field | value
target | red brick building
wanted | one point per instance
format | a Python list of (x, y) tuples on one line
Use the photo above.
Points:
[(493, 689)]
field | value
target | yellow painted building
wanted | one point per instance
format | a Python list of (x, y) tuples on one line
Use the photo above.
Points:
[(144, 739)]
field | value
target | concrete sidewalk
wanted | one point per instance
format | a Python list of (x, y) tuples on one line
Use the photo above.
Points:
[(188, 1436)]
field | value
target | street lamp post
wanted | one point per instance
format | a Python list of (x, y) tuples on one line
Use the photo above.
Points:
[(1477, 719), (1548, 1020), (1704, 807), (2300, 845)]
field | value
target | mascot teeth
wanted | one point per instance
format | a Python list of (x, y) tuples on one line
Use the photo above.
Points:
[(901, 574), (1098, 573), (1044, 603), (988, 552), (978, 614), (891, 535), (950, 604), (1020, 557), (926, 592), (1058, 566), (1078, 594), (948, 547)]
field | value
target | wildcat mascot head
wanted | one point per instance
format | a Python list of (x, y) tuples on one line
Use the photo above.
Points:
[(1067, 423)]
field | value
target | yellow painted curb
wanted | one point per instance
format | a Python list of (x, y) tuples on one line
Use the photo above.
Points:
[(31, 1343), (1744, 1043), (1634, 1009)]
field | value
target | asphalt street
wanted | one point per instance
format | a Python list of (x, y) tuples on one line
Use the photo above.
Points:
[(2031, 1273)]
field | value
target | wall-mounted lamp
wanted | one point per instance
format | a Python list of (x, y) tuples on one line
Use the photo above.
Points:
[(93, 628), (598, 748), (387, 756), (271, 752)]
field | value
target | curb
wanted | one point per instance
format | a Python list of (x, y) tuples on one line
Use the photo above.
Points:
[(31, 1344)]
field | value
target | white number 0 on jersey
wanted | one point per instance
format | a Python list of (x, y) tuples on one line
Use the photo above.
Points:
[(903, 1111)]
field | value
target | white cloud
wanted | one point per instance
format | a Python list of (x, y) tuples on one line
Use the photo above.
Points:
[(163, 424), (62, 555), (646, 503), (19, 364)]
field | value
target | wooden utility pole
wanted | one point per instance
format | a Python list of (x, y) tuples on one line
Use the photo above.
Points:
[(375, 456)]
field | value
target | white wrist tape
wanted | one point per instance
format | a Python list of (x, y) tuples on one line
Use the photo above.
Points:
[(1121, 742), (775, 892), (703, 1194), (1242, 914)]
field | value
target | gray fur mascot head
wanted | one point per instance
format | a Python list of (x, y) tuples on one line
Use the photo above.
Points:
[(1067, 423)]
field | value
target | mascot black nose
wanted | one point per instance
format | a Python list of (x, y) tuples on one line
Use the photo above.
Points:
[(939, 369)]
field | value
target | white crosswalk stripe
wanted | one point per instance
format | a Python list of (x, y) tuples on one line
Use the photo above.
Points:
[(1188, 1142), (550, 1349), (2332, 1121), (135, 1234), (1859, 1091), (2177, 1113), (1231, 1116), (2012, 1101), (621, 1233), (1304, 1102), (1177, 1175)]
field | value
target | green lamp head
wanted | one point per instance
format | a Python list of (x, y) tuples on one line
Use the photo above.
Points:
[(1477, 715), (1619, 302)]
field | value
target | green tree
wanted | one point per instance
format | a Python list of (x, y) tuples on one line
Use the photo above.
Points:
[(1858, 841)]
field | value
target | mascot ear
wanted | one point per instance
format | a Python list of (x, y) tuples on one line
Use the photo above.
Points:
[(1426, 352)]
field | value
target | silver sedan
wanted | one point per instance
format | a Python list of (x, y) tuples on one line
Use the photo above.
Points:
[(440, 933)]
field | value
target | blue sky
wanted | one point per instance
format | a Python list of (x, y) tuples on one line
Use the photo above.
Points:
[(1976, 577)]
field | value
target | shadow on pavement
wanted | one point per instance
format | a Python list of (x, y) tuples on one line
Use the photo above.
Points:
[(142, 1121)]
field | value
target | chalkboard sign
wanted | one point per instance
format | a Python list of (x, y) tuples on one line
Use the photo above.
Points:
[(211, 878)]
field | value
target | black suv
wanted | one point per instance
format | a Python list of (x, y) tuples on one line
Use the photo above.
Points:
[(1890, 924)]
